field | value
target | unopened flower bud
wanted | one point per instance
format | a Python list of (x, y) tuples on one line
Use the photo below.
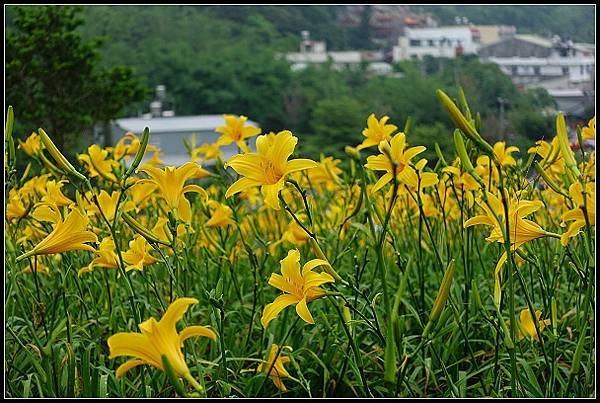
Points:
[(565, 147), (60, 159)]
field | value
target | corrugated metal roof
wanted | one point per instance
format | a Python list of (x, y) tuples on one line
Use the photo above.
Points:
[(537, 40), (174, 123)]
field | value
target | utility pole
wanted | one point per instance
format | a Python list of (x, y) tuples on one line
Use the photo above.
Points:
[(502, 102)]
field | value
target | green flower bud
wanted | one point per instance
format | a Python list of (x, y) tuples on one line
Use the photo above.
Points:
[(60, 159)]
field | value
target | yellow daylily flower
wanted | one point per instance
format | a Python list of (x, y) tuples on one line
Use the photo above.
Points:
[(127, 145), (67, 235), (138, 255), (210, 151), (107, 257), (155, 161), (15, 207), (221, 215), (98, 163), (402, 156), (376, 132), (161, 233), (503, 154), (53, 194), (327, 173), (35, 186), (527, 327), (269, 167), (32, 144), (236, 131), (47, 212), (139, 193), (171, 186), (39, 268), (158, 338), (276, 366), (521, 229), (298, 288), (576, 214), (589, 132), (108, 204)]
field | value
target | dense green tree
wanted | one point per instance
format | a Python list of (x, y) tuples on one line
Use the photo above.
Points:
[(335, 122), (52, 77), (428, 135)]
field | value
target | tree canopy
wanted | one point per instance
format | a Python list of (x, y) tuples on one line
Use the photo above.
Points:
[(53, 79)]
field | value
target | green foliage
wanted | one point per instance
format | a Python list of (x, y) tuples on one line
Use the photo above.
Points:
[(428, 136), (335, 122), (230, 59), (52, 77)]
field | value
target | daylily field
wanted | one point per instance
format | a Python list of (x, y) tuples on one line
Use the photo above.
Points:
[(273, 275)]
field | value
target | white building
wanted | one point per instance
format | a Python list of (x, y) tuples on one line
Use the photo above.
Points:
[(447, 41), (168, 134), (529, 70), (566, 70), (315, 52)]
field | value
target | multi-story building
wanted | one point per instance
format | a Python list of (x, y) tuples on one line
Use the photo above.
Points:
[(566, 70), (448, 41), (315, 52)]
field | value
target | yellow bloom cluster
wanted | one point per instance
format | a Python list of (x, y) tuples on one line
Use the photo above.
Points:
[(166, 224)]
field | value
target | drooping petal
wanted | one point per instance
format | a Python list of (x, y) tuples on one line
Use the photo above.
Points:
[(184, 210), (248, 165), (271, 194), (303, 312), (272, 310), (134, 345), (480, 219), (317, 279), (497, 277), (197, 189), (192, 331), (382, 182), (123, 368), (308, 266), (240, 185)]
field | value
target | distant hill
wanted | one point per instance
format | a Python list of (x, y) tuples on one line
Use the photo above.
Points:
[(575, 22), (569, 22)]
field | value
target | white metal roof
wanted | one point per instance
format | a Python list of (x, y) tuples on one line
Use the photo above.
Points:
[(535, 39), (174, 123)]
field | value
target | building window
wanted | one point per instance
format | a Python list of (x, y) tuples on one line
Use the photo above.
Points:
[(430, 42), (536, 70), (513, 70), (415, 42), (565, 70)]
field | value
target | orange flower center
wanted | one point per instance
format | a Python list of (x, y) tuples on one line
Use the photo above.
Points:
[(271, 172), (399, 167)]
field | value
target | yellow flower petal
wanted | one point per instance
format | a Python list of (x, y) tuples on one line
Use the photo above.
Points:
[(302, 310), (123, 368), (272, 310), (191, 331)]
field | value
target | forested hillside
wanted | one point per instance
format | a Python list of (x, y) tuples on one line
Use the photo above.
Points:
[(229, 59)]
